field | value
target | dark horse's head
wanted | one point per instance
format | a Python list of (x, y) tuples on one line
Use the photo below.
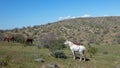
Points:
[(29, 40)]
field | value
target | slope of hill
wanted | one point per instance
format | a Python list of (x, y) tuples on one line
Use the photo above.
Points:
[(97, 30)]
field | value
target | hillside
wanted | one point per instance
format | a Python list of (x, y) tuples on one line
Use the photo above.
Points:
[(96, 30)]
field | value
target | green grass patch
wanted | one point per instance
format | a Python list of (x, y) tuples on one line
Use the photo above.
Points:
[(19, 56)]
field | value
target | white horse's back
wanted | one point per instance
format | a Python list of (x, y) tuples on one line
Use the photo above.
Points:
[(82, 47), (78, 48)]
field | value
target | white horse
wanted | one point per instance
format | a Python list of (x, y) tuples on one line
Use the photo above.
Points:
[(79, 48)]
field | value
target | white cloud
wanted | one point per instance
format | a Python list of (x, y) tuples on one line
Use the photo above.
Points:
[(60, 18), (86, 15), (105, 15), (66, 17), (71, 17)]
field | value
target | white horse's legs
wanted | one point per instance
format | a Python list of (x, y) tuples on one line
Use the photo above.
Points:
[(84, 54), (73, 55), (81, 55)]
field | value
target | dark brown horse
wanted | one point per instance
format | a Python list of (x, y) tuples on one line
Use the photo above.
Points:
[(9, 39), (29, 40)]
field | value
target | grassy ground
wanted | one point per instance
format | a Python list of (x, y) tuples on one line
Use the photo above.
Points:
[(17, 56)]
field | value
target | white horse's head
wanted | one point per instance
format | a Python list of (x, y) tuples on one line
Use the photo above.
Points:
[(67, 42)]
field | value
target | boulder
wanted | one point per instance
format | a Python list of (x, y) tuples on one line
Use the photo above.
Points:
[(39, 60), (53, 65)]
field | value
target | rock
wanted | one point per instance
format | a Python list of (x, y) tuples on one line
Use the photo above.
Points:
[(40, 60), (118, 66), (53, 65), (105, 53)]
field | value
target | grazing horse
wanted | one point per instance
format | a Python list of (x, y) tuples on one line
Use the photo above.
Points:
[(77, 48), (29, 40), (9, 38)]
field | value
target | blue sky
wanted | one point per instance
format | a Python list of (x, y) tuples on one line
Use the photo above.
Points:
[(23, 13)]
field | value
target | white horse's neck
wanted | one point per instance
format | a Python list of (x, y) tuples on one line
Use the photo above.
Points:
[(70, 43)]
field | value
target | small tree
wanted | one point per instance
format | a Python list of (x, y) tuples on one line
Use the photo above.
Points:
[(47, 38), (19, 38), (53, 43), (56, 45), (56, 49)]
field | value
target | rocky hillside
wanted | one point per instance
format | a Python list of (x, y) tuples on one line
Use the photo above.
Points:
[(96, 30)]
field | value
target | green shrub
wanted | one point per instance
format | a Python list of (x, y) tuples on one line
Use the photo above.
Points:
[(56, 45), (59, 54)]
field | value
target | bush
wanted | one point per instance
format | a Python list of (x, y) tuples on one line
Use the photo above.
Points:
[(59, 54), (50, 40), (53, 43), (19, 38), (56, 45), (92, 51)]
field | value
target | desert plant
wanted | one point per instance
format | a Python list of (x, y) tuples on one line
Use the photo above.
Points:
[(58, 54)]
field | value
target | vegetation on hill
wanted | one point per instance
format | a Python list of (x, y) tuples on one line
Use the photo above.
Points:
[(50, 50), (95, 30)]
